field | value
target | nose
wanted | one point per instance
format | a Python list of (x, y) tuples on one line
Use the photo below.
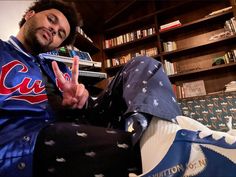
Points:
[(52, 31)]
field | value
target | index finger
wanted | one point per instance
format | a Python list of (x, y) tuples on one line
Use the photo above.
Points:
[(75, 70), (58, 72)]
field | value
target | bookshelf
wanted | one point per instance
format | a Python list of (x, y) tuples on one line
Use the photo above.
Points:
[(82, 41), (200, 38), (85, 45)]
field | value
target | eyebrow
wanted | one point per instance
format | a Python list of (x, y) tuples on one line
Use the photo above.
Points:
[(57, 20)]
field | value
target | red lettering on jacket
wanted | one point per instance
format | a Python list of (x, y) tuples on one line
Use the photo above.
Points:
[(28, 93)]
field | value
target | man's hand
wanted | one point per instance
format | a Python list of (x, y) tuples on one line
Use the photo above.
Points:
[(75, 95)]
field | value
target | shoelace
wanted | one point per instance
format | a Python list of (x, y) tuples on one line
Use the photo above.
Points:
[(216, 135)]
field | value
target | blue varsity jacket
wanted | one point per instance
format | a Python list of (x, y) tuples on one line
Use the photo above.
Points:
[(24, 108)]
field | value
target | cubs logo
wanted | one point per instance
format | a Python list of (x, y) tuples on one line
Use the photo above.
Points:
[(30, 91)]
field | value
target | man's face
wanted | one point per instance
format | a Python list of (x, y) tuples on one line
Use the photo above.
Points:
[(46, 30)]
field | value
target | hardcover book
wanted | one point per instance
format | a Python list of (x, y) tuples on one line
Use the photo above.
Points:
[(195, 88)]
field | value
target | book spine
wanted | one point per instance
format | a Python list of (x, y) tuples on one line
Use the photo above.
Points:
[(177, 22), (170, 27)]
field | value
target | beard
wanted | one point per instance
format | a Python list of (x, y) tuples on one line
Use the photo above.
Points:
[(35, 40)]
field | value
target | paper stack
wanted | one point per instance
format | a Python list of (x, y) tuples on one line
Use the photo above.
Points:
[(230, 86)]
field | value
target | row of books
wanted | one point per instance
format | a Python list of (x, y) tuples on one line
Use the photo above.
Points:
[(125, 58), (229, 30), (80, 31), (189, 89), (228, 57), (118, 61), (170, 25), (197, 88), (170, 68), (169, 46), (128, 37), (230, 25), (173, 67)]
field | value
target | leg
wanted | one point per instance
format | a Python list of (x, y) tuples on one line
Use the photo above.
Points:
[(171, 149), (140, 90), (146, 90), (141, 87), (69, 149), (144, 87)]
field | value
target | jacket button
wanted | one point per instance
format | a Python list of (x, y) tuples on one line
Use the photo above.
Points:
[(21, 165), (26, 138)]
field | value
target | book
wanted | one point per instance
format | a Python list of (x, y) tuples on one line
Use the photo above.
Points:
[(169, 27), (195, 88), (220, 11), (169, 46), (230, 86), (177, 22)]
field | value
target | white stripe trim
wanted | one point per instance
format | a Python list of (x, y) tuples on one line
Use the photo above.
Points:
[(15, 45)]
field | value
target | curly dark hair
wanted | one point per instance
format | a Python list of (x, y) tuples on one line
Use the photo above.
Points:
[(67, 10)]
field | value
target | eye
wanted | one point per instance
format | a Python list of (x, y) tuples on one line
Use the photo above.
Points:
[(62, 35), (51, 19)]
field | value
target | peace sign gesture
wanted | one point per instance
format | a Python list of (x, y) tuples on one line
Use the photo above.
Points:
[(75, 94)]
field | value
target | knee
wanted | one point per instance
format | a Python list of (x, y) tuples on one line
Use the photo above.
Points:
[(144, 62), (146, 59)]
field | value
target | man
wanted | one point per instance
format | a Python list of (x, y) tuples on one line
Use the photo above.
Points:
[(35, 93), (32, 92)]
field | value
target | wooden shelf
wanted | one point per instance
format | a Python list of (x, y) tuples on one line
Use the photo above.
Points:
[(178, 5), (127, 44), (205, 70), (194, 49), (114, 67), (117, 67), (119, 12), (210, 43), (138, 20), (149, 15), (85, 45), (199, 21)]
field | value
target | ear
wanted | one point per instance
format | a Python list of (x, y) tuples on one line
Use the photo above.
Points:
[(29, 14)]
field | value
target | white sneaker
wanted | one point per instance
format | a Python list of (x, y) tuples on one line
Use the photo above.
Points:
[(187, 149)]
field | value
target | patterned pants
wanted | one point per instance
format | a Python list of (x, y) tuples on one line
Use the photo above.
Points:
[(69, 149), (75, 150)]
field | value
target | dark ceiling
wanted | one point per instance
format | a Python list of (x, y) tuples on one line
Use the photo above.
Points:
[(95, 12)]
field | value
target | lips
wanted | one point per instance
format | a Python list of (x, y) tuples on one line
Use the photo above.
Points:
[(47, 35)]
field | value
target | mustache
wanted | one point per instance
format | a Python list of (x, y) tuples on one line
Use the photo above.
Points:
[(48, 31)]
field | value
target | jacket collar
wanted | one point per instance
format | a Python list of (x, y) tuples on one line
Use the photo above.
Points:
[(18, 46)]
